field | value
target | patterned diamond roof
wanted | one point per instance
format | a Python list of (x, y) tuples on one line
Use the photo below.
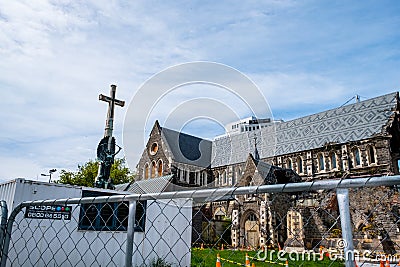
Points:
[(153, 185), (348, 123)]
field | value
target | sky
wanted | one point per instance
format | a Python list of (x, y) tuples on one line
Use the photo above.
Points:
[(56, 57)]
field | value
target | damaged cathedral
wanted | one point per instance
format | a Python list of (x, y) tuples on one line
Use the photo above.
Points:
[(355, 140)]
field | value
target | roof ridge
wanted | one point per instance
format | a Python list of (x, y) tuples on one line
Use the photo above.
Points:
[(182, 133), (343, 107)]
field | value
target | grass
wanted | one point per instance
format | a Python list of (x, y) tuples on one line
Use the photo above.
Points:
[(207, 258)]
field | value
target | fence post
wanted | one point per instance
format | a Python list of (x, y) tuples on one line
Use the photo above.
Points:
[(345, 221), (3, 224), (7, 237), (130, 233)]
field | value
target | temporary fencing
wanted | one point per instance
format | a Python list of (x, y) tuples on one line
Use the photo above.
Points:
[(330, 222)]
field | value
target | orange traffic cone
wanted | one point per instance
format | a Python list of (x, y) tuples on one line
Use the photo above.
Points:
[(355, 263), (253, 265), (381, 264), (286, 264), (321, 255), (247, 263), (387, 263), (222, 247), (218, 263)]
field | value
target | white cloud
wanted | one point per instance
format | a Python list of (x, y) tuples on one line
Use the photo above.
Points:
[(57, 56), (284, 90), (17, 167)]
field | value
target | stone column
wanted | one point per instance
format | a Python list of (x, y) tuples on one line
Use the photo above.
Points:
[(309, 164), (345, 158), (263, 225), (235, 228)]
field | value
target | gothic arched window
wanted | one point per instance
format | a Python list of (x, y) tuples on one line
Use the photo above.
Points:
[(321, 163), (204, 177), (218, 179), (224, 178), (371, 155), (160, 168), (249, 181), (356, 157), (289, 163), (299, 165), (252, 217), (333, 161), (153, 169), (146, 171), (233, 175)]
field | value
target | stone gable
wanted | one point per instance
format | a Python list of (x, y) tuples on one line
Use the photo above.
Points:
[(155, 153)]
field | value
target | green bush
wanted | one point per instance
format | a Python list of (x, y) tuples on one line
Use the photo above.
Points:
[(159, 263)]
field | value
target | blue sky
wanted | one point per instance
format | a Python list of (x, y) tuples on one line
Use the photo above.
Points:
[(57, 56)]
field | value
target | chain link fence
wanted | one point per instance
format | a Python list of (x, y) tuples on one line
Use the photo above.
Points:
[(323, 223)]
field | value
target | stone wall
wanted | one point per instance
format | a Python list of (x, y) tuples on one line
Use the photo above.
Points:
[(310, 160), (148, 156), (374, 213)]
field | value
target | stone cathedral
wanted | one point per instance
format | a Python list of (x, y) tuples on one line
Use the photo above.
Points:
[(356, 140)]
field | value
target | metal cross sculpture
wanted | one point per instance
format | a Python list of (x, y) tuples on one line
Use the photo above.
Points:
[(106, 147)]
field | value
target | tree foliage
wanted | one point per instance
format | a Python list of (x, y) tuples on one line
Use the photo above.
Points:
[(86, 174)]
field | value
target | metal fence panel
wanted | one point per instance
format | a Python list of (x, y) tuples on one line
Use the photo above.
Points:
[(273, 225), (95, 235)]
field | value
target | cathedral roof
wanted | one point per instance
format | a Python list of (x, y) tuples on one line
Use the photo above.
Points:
[(348, 123), (345, 124), (187, 148), (153, 185), (340, 125)]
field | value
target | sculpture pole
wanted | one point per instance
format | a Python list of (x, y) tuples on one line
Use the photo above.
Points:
[(106, 147)]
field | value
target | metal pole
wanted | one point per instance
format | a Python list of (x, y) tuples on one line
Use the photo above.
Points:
[(130, 234), (6, 244), (110, 114), (216, 193), (345, 221), (3, 224)]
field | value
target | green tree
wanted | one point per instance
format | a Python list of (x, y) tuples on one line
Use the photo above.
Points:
[(86, 174)]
